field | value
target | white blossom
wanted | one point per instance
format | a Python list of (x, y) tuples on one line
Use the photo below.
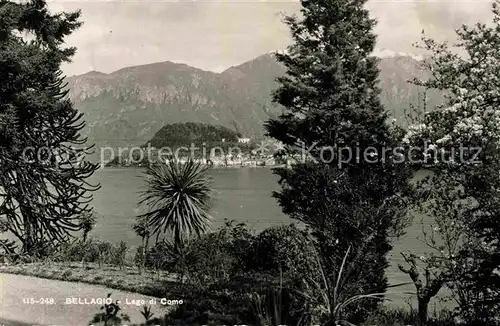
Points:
[(445, 139)]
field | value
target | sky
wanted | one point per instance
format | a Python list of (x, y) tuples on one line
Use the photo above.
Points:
[(215, 35)]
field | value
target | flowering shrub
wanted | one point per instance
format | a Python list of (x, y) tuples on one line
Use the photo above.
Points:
[(471, 117), (463, 191)]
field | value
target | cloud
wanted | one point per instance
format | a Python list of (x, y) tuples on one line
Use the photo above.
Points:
[(212, 35), (448, 16), (205, 35)]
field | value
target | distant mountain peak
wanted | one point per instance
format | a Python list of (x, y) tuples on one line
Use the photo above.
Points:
[(93, 73), (381, 53), (157, 67), (386, 53)]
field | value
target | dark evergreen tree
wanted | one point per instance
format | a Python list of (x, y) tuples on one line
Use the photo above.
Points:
[(348, 189), (43, 171)]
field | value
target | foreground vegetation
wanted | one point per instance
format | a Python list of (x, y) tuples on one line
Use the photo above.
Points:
[(230, 276), (126, 279)]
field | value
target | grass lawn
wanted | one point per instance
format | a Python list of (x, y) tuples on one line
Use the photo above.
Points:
[(127, 279), (151, 283), (5, 322)]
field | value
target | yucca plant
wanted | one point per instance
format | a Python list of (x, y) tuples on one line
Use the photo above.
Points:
[(109, 315), (268, 309), (146, 313), (179, 255), (88, 221), (178, 197), (141, 228), (276, 308), (329, 303)]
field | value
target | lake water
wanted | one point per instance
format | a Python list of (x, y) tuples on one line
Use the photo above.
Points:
[(242, 194)]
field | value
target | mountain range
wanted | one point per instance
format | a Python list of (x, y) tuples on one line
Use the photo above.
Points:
[(127, 107)]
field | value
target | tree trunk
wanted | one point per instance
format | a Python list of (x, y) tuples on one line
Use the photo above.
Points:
[(28, 237), (180, 248), (423, 307), (144, 251), (143, 260)]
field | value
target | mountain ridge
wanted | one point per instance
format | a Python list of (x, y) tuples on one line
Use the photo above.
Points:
[(128, 106)]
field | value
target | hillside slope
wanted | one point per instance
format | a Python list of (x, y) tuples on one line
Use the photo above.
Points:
[(184, 134)]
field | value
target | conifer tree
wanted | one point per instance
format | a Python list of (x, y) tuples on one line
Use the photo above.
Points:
[(43, 171), (346, 188)]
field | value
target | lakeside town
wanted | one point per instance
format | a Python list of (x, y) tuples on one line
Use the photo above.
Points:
[(243, 153)]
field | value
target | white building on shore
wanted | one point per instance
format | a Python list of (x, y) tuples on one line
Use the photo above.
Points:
[(244, 140)]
